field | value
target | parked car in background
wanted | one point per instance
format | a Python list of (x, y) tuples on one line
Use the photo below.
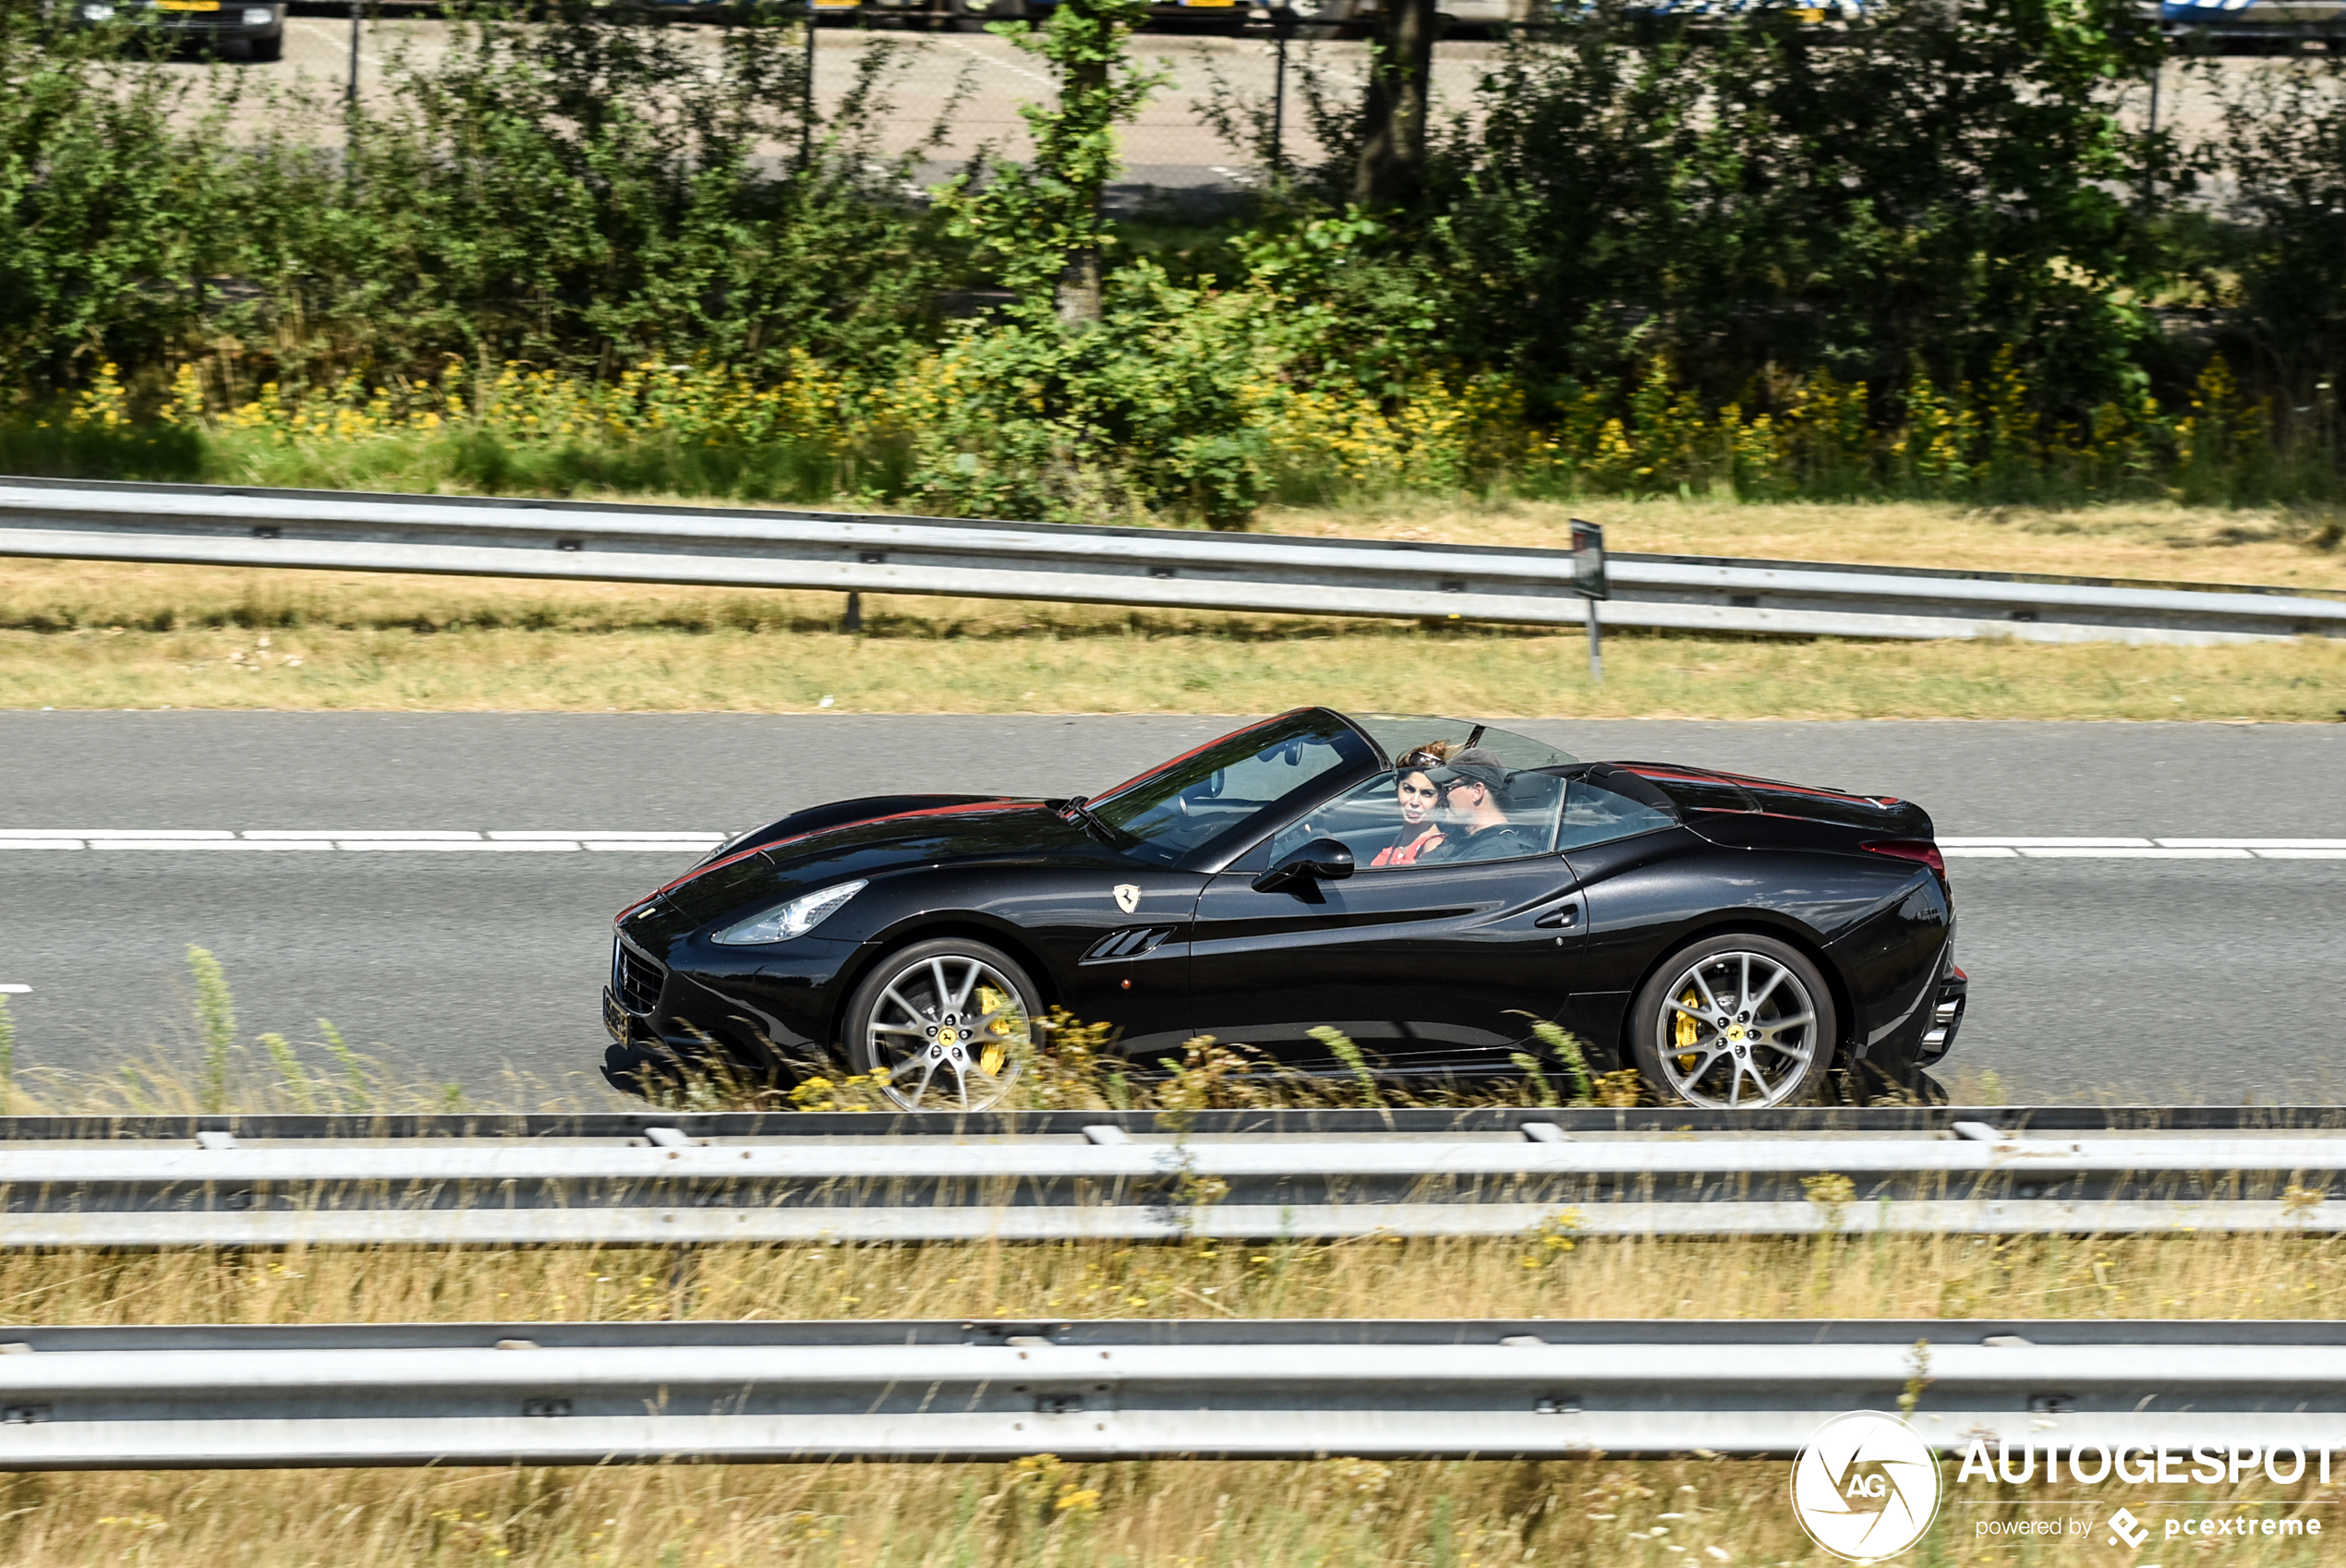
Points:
[(234, 30), (2301, 21)]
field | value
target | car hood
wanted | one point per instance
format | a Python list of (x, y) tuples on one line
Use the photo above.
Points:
[(985, 829)]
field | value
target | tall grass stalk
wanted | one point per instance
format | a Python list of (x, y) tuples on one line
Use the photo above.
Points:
[(290, 1072), (1340, 1046), (216, 1022)]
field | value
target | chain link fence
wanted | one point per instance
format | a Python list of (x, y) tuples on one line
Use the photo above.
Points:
[(1233, 107)]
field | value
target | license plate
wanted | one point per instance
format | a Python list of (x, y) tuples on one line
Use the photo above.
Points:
[(1194, 5), (187, 5)]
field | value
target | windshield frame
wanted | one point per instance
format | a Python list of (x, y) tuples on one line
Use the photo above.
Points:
[(1478, 732), (1214, 852)]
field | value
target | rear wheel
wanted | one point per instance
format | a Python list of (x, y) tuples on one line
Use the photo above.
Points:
[(949, 1021), (1735, 1022)]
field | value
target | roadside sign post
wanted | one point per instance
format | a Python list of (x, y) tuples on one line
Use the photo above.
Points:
[(1588, 580)]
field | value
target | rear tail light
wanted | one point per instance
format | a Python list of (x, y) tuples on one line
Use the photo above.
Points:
[(1921, 850)]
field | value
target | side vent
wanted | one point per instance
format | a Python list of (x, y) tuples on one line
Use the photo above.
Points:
[(1128, 943)]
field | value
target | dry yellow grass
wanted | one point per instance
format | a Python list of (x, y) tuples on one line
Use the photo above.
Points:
[(1337, 1512), (2156, 542), (1022, 659), (88, 635), (1161, 1514)]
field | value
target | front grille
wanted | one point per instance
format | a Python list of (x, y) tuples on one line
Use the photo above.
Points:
[(634, 979)]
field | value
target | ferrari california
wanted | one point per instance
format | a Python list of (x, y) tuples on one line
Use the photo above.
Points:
[(1431, 887)]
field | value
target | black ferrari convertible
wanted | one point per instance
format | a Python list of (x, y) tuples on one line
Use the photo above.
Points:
[(1428, 886)]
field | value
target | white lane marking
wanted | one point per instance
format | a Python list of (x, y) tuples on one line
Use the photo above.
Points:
[(625, 840), (114, 832), (380, 839), (2146, 854), (994, 60), (444, 846), (2254, 843), (1979, 848), (12, 989), (2046, 843), (631, 836), (249, 846), (371, 834)]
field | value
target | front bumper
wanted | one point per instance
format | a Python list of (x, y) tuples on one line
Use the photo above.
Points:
[(757, 1004), (1946, 1016), (224, 18)]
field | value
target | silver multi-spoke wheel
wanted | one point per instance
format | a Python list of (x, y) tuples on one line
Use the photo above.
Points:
[(1739, 1030), (949, 1026)]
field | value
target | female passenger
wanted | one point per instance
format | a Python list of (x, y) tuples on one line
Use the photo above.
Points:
[(1420, 798)]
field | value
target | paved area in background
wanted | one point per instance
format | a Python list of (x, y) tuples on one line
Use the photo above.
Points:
[(950, 93), (2186, 979)]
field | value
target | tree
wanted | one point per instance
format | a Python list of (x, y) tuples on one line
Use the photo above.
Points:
[(1391, 166), (1041, 221)]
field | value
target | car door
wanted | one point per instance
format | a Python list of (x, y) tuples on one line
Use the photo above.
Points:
[(1425, 966)]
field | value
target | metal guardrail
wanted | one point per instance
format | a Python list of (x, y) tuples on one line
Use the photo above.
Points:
[(1100, 1175), (557, 1394), (1163, 567)]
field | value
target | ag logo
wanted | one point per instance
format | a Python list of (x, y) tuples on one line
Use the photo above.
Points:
[(1867, 1486), (1127, 898)]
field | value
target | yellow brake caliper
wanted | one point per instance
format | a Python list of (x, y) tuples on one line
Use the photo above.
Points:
[(1688, 1029), (997, 1051)]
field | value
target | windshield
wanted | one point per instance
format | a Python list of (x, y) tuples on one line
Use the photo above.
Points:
[(1198, 803), (1401, 734)]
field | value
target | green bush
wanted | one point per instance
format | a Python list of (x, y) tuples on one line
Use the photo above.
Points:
[(1922, 256)]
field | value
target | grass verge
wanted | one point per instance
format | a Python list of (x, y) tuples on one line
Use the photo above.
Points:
[(87, 634), (1336, 1511), (1333, 1512)]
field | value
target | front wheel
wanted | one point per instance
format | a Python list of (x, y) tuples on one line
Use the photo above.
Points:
[(948, 1019), (1738, 1023)]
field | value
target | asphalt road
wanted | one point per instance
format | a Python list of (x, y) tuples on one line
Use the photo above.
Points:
[(2167, 980)]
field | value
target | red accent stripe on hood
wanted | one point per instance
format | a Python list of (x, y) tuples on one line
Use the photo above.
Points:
[(777, 843)]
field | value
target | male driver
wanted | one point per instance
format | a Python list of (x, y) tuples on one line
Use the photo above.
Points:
[(1471, 784)]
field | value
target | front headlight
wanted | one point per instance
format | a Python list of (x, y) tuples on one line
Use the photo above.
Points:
[(797, 918), (258, 16)]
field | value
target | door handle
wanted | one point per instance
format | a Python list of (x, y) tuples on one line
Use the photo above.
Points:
[(1562, 915)]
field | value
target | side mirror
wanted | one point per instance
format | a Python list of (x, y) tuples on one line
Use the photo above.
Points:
[(1321, 860)]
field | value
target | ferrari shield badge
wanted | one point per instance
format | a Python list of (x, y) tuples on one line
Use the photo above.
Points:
[(1128, 897)]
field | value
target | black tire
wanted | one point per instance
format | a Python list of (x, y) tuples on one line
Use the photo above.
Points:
[(948, 1018), (1719, 1052), (267, 49)]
